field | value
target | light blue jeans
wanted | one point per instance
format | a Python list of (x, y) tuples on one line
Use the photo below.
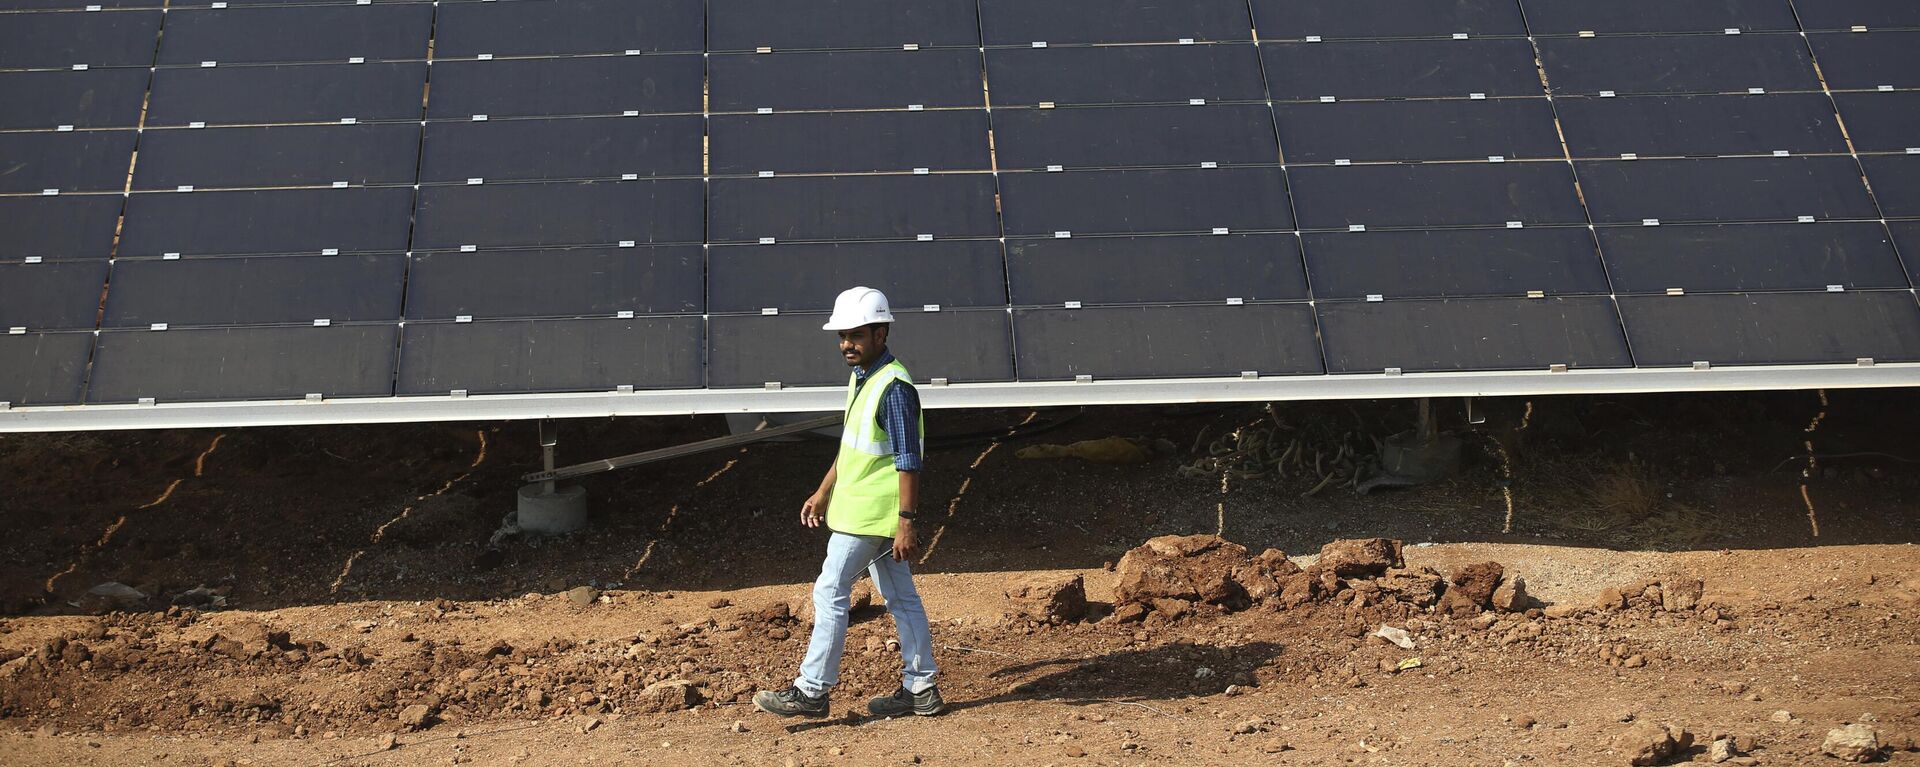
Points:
[(833, 592)]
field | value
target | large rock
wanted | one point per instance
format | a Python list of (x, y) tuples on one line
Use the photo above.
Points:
[(1852, 743), (666, 697), (1049, 598), (1681, 594), (1420, 588), (416, 717), (1644, 744), (1472, 589), (1360, 557), (1511, 596), (1196, 568)]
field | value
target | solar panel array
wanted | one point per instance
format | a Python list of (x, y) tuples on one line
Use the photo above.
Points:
[(399, 198)]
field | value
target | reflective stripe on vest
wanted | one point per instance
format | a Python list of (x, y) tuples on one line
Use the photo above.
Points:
[(866, 488)]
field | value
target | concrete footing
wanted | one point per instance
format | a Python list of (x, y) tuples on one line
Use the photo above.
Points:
[(562, 511)]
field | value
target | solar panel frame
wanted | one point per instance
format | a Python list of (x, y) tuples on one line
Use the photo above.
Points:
[(562, 148), (287, 93), (524, 356), (1853, 61), (1896, 183), (120, 38), (93, 98), (539, 28), (44, 368), (556, 283), (1700, 126), (1455, 263), (745, 25), (261, 290), (1435, 195), (1442, 335), (1906, 237), (889, 79), (293, 155), (1751, 257), (806, 276), (1844, 15), (1440, 129), (1494, 67), (62, 295), (568, 86), (296, 33), (1773, 328), (291, 221), (1567, 17), (1071, 22), (67, 226), (1156, 269), (1159, 201), (1633, 64), (73, 161), (1357, 19), (1724, 189), (753, 350), (849, 142), (250, 363), (1135, 136), (805, 208), (552, 214), (1881, 121), (1125, 74), (1122, 342)]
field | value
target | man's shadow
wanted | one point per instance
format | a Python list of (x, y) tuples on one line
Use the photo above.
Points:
[(1132, 677)]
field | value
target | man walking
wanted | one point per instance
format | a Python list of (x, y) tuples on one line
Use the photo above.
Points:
[(867, 501)]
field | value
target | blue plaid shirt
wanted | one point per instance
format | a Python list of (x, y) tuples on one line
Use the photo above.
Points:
[(899, 415)]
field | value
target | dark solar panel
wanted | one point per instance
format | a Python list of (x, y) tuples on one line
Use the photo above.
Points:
[(562, 148), (1454, 263), (1129, 270), (1472, 334), (850, 207), (1400, 69), (1858, 62), (511, 356), (1700, 125), (1847, 14), (807, 276), (1906, 235), (589, 85), (94, 98), (582, 282), (70, 5), (1744, 189), (1145, 201), (44, 368), (1166, 341), (67, 226), (1130, 74), (304, 155), (1418, 130), (1455, 194), (1678, 64), (1881, 122), (51, 296), (289, 93), (63, 40), (1565, 17), (849, 142), (243, 363), (1737, 257), (1773, 328), (1113, 137), (265, 290), (334, 33), (548, 214), (308, 221), (744, 25), (940, 77), (1896, 184), (1293, 19), (753, 350), (74, 161), (1023, 22), (546, 27)]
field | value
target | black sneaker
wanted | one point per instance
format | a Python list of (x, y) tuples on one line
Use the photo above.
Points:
[(901, 703), (790, 702)]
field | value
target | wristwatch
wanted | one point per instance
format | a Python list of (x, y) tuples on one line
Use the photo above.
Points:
[(908, 514)]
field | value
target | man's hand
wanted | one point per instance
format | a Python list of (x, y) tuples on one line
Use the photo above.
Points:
[(905, 545), (813, 510)]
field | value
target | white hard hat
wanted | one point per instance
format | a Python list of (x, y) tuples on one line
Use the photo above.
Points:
[(858, 307)]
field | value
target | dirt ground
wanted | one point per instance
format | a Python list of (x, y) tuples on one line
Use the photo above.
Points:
[(348, 574)]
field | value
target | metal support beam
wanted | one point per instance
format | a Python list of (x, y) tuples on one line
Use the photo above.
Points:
[(677, 451)]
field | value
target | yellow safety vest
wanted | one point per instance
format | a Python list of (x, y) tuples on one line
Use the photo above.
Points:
[(866, 486)]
